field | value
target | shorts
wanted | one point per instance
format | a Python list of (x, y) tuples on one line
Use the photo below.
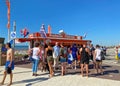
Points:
[(84, 61), (49, 58), (62, 59), (98, 60), (74, 56), (69, 61), (7, 64)]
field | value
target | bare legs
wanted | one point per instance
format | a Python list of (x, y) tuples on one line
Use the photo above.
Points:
[(4, 77), (82, 69), (63, 68), (87, 70), (41, 66), (56, 62), (75, 64), (11, 76), (50, 68), (99, 66)]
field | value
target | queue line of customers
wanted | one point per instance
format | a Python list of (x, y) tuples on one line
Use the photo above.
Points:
[(51, 56)]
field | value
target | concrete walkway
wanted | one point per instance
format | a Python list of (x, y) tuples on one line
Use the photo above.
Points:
[(23, 77)]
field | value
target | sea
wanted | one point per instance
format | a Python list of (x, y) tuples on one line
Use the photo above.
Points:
[(21, 47)]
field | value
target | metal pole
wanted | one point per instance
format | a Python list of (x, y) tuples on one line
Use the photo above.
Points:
[(14, 29), (9, 35)]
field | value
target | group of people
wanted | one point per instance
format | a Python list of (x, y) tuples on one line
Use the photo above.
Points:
[(57, 57), (61, 56), (117, 53)]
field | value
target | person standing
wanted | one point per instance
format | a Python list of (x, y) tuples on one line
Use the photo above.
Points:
[(74, 54), (84, 59), (63, 59), (56, 51), (35, 58), (98, 59), (116, 54), (70, 59), (41, 62), (9, 66), (92, 51), (49, 56)]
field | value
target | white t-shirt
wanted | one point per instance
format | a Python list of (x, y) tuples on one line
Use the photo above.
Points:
[(35, 53), (98, 54)]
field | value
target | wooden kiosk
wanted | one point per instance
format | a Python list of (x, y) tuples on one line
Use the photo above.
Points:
[(61, 38)]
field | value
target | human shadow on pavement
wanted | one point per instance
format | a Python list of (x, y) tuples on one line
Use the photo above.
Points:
[(18, 72), (21, 72), (110, 71), (43, 74), (105, 67), (106, 72), (31, 81)]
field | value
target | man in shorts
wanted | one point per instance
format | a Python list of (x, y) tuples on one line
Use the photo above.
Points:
[(9, 66)]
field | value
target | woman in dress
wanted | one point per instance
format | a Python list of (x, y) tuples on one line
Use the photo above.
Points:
[(49, 56), (63, 57), (84, 59)]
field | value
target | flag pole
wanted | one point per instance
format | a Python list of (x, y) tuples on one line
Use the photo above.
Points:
[(9, 35), (14, 29), (8, 15)]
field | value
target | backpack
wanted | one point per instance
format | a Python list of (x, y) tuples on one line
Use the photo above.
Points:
[(102, 55)]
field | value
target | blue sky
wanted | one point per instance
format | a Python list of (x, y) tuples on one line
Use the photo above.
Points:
[(99, 18)]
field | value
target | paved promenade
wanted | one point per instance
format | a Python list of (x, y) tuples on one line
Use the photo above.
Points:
[(22, 77)]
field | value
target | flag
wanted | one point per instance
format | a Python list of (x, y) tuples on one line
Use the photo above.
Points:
[(42, 31), (24, 32), (8, 13), (49, 30), (11, 42), (84, 36)]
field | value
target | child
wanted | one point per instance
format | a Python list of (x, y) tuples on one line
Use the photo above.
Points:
[(70, 59)]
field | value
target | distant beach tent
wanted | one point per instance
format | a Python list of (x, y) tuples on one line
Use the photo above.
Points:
[(42, 31), (24, 32)]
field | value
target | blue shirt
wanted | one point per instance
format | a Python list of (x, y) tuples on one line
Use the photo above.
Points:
[(56, 50), (74, 50)]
